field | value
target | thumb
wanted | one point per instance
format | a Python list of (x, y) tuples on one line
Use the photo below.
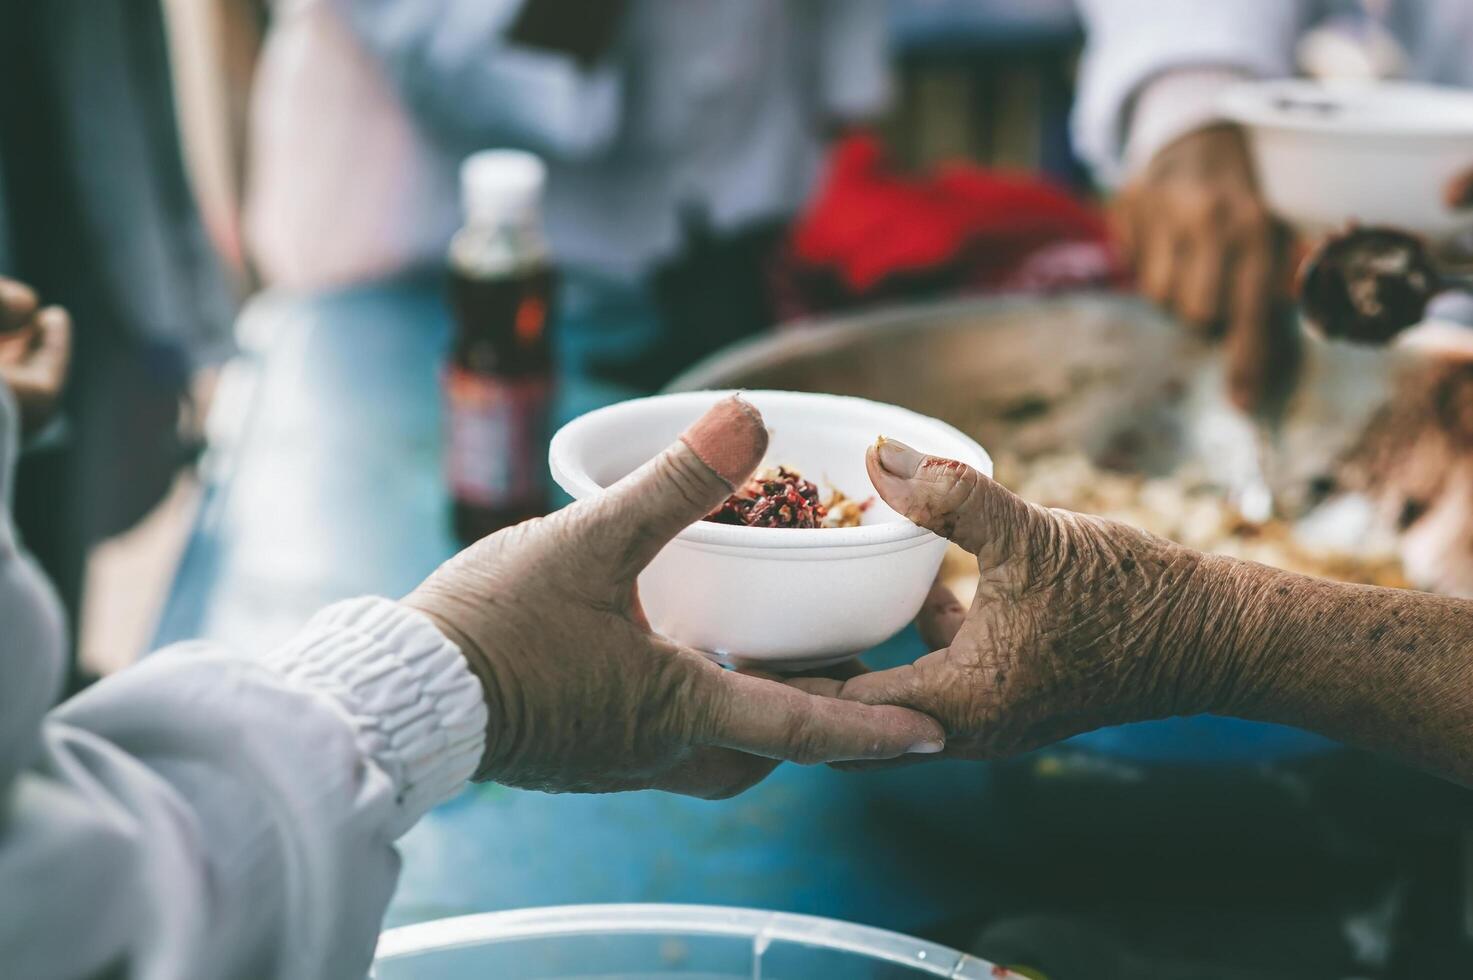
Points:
[(38, 380), (680, 486), (929, 685), (52, 350), (952, 499), (779, 721), (17, 304)]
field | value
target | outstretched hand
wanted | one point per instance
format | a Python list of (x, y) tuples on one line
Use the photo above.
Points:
[(1078, 622), (35, 349)]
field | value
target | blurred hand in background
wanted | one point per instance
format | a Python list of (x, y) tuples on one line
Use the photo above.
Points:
[(35, 349), (1205, 247), (1459, 192)]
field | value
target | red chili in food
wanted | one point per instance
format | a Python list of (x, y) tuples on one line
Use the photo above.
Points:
[(782, 498), (773, 499)]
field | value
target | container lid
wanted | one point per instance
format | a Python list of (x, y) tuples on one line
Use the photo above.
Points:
[(502, 185)]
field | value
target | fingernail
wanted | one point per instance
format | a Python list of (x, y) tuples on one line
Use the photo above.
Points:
[(898, 459), (926, 748), (730, 439)]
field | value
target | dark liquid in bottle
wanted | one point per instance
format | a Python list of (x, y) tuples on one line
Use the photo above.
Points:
[(499, 388)]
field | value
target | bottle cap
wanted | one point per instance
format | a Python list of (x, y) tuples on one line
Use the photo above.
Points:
[(501, 185)]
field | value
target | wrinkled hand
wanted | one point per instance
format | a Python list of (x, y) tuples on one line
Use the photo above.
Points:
[(1078, 622), (1204, 247), (35, 348), (583, 697)]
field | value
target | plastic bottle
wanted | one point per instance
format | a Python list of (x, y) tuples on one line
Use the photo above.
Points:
[(500, 377)]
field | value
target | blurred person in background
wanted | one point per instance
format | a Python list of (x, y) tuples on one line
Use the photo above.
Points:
[(1188, 208), (97, 214), (681, 136)]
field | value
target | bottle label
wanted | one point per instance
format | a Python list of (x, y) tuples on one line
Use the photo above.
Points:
[(497, 437)]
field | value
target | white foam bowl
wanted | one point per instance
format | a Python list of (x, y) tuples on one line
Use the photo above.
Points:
[(781, 598), (1329, 153)]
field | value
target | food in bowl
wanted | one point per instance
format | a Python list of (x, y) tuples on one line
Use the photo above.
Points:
[(764, 595), (782, 498)]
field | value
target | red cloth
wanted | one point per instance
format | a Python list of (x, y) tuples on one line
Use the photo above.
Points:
[(871, 233)]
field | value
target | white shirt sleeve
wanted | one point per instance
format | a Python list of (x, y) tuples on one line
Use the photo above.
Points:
[(1171, 105), (32, 631), (1131, 42), (207, 815), (471, 89)]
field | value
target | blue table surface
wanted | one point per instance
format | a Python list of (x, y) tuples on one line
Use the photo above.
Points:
[(323, 481)]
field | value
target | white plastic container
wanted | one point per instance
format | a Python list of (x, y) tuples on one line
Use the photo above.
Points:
[(1373, 152), (782, 598), (635, 942)]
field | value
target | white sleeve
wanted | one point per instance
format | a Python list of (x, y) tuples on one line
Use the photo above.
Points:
[(32, 630), (1130, 42), (210, 815), (470, 88), (1170, 106)]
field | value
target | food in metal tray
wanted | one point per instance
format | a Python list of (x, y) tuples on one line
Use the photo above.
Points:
[(1184, 507)]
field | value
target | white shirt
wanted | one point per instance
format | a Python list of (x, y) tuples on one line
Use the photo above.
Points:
[(207, 814), (364, 108), (1152, 69)]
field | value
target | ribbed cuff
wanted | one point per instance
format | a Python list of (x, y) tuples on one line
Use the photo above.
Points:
[(418, 710)]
